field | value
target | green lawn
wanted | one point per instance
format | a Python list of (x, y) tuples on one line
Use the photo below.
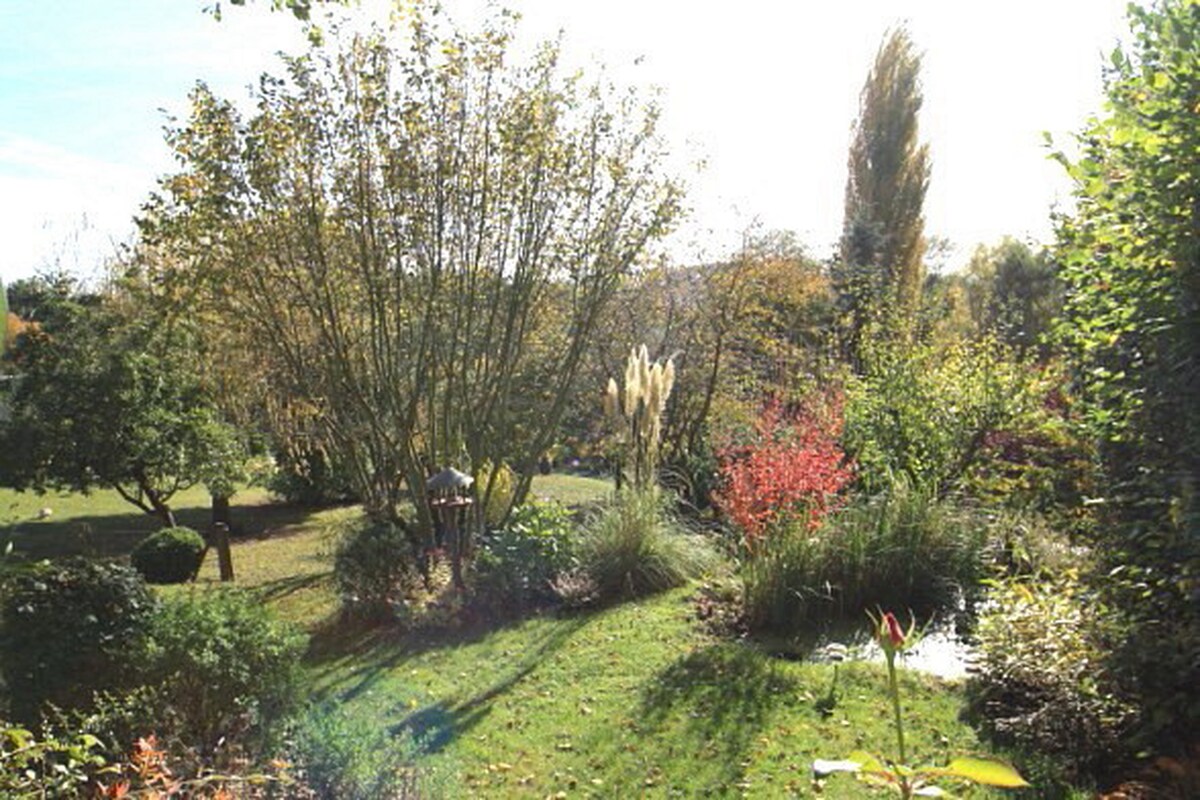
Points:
[(631, 701), (635, 700)]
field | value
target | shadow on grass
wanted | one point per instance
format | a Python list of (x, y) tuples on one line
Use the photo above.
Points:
[(378, 654), (277, 589), (115, 535), (720, 700)]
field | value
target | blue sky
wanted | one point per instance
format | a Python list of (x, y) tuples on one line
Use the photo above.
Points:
[(762, 91), (83, 90)]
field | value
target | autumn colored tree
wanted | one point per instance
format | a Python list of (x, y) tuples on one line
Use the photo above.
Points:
[(880, 266), (389, 228), (4, 333)]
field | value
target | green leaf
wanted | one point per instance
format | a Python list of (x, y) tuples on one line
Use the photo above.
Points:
[(871, 765), (985, 771)]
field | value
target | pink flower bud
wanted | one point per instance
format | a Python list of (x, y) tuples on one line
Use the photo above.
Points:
[(894, 632)]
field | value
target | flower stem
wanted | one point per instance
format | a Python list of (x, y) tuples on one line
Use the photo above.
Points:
[(894, 688)]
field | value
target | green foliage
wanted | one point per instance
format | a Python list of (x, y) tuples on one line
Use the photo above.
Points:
[(112, 402), (496, 488), (69, 630), (1014, 294), (1131, 328), (373, 568), (342, 757), (311, 479), (32, 768), (904, 548), (632, 546), (924, 411), (516, 565), (401, 317), (1042, 682), (222, 667), (171, 555), (1043, 464)]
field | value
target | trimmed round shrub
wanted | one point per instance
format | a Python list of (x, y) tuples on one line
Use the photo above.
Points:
[(373, 567), (69, 630), (172, 555)]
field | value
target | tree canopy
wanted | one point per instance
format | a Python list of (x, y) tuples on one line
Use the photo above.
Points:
[(419, 239), (1131, 264), (105, 402)]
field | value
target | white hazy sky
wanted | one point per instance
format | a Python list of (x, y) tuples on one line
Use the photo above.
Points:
[(763, 92)]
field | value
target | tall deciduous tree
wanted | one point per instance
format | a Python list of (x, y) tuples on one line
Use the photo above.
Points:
[(1014, 293), (388, 230), (880, 264)]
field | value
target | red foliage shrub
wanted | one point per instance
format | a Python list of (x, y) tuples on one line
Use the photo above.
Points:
[(792, 465)]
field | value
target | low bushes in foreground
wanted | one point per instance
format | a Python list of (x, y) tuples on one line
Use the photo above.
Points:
[(1042, 684), (223, 668), (69, 630)]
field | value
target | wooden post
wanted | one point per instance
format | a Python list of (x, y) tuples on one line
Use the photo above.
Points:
[(224, 554)]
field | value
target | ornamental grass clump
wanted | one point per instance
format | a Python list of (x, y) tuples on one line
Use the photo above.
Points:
[(633, 546)]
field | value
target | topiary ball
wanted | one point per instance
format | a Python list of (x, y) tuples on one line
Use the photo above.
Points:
[(172, 555)]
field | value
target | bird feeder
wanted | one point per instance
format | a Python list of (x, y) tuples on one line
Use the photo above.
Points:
[(449, 492)]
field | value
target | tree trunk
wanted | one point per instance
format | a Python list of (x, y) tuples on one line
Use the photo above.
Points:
[(162, 511), (220, 512)]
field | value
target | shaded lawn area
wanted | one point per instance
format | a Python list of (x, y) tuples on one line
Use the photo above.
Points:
[(630, 701), (284, 552), (101, 524)]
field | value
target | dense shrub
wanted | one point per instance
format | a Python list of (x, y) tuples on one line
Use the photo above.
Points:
[(517, 565), (70, 629), (373, 568), (311, 479), (341, 757), (925, 411), (905, 548), (171, 555), (791, 466), (1042, 684), (632, 546), (223, 668)]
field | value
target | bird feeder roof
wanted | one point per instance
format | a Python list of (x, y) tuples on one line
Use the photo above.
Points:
[(449, 479)]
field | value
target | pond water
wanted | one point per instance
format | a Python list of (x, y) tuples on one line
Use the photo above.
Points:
[(942, 651)]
